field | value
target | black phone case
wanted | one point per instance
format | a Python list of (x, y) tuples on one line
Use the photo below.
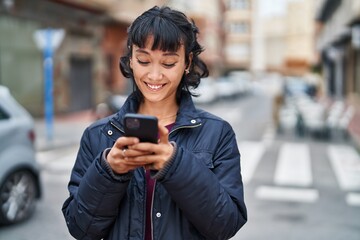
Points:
[(144, 127)]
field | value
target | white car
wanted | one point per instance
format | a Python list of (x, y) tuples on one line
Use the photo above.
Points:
[(227, 87), (243, 81), (19, 172), (207, 92)]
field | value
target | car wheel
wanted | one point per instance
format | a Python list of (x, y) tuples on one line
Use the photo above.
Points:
[(17, 197)]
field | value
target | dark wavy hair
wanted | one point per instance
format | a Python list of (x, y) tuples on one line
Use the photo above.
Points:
[(170, 29)]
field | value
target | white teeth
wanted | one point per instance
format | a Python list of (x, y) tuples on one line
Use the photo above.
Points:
[(154, 87)]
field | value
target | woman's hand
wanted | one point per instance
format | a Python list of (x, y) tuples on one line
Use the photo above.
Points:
[(128, 153), (117, 155), (150, 155)]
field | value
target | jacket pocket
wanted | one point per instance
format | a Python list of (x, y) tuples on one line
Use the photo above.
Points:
[(205, 157)]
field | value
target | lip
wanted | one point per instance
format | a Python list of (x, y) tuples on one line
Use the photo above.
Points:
[(154, 87)]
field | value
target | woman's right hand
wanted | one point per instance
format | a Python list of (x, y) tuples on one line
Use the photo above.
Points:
[(117, 155)]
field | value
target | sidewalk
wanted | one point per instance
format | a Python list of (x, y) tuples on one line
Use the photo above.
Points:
[(67, 130), (354, 125)]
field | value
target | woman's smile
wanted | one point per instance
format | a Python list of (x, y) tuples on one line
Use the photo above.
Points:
[(154, 87)]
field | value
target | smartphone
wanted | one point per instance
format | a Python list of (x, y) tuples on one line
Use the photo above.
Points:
[(144, 127)]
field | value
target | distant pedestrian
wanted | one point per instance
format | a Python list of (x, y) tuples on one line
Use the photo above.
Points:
[(186, 186)]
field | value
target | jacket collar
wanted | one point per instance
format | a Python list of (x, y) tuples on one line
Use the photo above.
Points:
[(187, 117)]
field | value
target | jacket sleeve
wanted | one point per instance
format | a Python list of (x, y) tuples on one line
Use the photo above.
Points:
[(211, 197), (94, 199)]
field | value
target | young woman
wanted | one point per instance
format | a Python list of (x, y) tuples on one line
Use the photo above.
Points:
[(186, 186)]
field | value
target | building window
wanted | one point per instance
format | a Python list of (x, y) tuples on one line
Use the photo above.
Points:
[(239, 4), (239, 27), (238, 52)]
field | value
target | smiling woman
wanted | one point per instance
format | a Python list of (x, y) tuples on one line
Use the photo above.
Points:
[(187, 185), (179, 47)]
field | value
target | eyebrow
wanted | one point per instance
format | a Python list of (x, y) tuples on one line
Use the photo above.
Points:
[(165, 54)]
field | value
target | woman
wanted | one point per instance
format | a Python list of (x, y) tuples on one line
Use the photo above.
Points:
[(188, 185)]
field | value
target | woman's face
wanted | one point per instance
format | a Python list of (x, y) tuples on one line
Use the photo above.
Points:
[(157, 73)]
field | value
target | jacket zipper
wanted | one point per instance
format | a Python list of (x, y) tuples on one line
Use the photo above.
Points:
[(151, 211), (115, 126), (182, 127), (153, 193), (151, 206)]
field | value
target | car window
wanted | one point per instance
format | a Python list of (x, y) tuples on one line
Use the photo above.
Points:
[(3, 114)]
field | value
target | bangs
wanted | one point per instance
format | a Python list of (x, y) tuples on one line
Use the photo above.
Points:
[(155, 28)]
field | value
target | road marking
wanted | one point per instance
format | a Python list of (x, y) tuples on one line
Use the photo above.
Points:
[(54, 163), (251, 153), (269, 135), (55, 178), (353, 199), (305, 195), (63, 164), (345, 162), (293, 166)]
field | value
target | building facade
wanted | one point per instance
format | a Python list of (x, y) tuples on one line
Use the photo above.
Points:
[(238, 19), (207, 15), (338, 47), (288, 33), (86, 64)]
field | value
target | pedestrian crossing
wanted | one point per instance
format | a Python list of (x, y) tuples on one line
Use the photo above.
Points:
[(293, 154), (346, 164), (353, 199), (293, 178), (287, 194), (253, 151), (56, 165)]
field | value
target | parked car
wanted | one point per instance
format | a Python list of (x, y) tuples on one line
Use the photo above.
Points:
[(242, 80), (296, 86), (207, 92), (112, 104), (227, 87), (19, 172)]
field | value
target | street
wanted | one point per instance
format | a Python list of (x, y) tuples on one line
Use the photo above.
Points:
[(295, 188)]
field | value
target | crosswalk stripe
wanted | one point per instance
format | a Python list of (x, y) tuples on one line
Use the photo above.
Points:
[(53, 163), (251, 153), (269, 135), (353, 199), (293, 166), (345, 162), (287, 194)]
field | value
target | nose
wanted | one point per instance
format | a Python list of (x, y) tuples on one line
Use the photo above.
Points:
[(155, 73)]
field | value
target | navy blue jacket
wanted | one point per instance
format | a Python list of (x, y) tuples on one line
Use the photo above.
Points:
[(199, 197)]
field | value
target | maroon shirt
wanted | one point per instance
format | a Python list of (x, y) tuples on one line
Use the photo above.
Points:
[(150, 185)]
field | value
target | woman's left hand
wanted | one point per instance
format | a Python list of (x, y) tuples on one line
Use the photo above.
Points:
[(151, 155)]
